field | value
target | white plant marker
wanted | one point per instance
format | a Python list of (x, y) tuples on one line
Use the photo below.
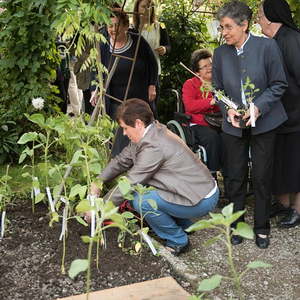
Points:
[(149, 242), (64, 221), (36, 190), (50, 199), (252, 114), (2, 224), (91, 198)]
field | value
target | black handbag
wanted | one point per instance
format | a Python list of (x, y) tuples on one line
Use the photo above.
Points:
[(214, 119)]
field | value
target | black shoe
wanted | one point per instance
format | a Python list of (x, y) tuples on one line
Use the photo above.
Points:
[(236, 239), (278, 209), (176, 250), (262, 242), (291, 220)]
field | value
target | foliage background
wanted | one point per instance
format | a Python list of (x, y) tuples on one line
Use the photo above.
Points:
[(28, 31)]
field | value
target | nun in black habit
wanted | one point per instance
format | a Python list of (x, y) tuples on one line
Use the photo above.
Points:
[(276, 21)]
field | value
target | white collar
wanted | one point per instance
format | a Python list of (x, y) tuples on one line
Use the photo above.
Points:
[(147, 129), (241, 50)]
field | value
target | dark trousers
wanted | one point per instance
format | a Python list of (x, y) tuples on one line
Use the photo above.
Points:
[(262, 154), (211, 140)]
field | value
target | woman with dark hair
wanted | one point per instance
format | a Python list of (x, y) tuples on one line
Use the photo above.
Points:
[(243, 57), (154, 32), (276, 21), (199, 101), (144, 77)]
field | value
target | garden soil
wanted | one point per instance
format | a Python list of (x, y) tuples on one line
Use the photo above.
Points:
[(30, 259)]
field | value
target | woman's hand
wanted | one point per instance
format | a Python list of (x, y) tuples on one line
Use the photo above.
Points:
[(151, 92), (232, 114), (161, 50), (94, 98)]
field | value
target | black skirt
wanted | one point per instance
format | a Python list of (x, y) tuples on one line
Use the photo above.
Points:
[(286, 174)]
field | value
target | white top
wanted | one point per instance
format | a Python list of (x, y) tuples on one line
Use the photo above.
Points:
[(151, 34)]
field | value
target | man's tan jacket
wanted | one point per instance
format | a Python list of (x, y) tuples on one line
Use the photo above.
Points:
[(161, 160)]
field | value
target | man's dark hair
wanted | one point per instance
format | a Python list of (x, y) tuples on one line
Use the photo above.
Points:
[(133, 109), (197, 55)]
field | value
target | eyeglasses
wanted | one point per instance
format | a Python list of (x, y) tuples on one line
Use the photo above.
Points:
[(228, 27), (207, 66)]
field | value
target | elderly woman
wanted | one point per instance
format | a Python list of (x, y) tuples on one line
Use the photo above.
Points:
[(199, 101), (276, 22), (246, 56), (144, 77)]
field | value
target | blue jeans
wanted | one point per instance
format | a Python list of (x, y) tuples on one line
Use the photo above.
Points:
[(170, 220)]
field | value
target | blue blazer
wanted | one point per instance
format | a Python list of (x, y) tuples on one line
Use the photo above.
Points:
[(261, 61)]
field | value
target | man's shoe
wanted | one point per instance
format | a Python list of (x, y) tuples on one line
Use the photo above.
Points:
[(176, 250), (277, 209), (262, 242), (291, 220), (236, 239)]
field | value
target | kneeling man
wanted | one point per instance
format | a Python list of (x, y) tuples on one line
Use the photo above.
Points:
[(156, 157)]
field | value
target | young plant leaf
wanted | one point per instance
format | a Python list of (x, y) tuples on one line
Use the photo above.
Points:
[(81, 221), (83, 206), (202, 224), (127, 215), (78, 266), (124, 185), (210, 283), (227, 210), (152, 203), (38, 198), (27, 137), (258, 264), (244, 230)]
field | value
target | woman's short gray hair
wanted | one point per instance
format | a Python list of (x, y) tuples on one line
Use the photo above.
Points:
[(236, 10)]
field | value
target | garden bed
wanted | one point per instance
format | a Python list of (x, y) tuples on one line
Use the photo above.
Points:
[(31, 252)]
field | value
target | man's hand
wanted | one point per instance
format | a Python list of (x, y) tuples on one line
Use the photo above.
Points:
[(94, 98), (247, 115), (232, 114), (161, 50), (151, 92)]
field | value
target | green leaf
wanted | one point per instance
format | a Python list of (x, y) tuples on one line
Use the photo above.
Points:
[(86, 239), (78, 190), (209, 284), (202, 224), (127, 215), (83, 206), (258, 264), (152, 203), (22, 157), (227, 210), (81, 221), (230, 219), (78, 266), (38, 198), (37, 119), (244, 230), (124, 185), (76, 157), (27, 137), (95, 168)]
